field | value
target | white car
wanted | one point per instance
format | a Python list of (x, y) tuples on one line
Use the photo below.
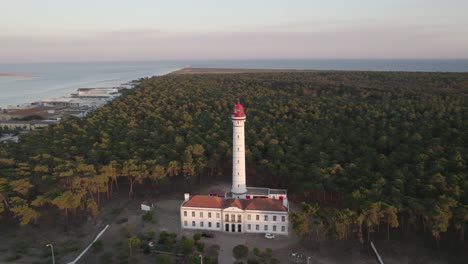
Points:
[(269, 236)]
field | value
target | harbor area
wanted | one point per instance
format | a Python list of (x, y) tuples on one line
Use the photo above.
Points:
[(16, 119)]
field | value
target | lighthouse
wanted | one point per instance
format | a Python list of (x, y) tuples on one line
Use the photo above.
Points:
[(234, 209), (239, 188)]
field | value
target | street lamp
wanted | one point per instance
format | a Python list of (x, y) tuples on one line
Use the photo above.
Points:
[(52, 248), (201, 258)]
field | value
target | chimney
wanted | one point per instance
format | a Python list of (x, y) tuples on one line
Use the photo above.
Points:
[(186, 197), (285, 202)]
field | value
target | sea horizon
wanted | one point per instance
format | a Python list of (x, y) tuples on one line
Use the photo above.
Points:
[(54, 79)]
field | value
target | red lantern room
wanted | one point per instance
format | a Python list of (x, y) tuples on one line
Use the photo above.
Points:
[(238, 110)]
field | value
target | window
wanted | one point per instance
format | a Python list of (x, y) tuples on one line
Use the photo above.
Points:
[(201, 223), (209, 224), (239, 218), (265, 218), (274, 228), (209, 215), (193, 223), (201, 214), (257, 227), (237, 161), (248, 217), (248, 227), (274, 218), (283, 218), (226, 218), (217, 215), (185, 223), (265, 227), (257, 217), (218, 225), (185, 213), (233, 217), (193, 214), (283, 229)]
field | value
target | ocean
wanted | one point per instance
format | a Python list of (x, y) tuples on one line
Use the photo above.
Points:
[(44, 80)]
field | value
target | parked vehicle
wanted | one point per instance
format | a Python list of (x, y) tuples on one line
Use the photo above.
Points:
[(207, 235), (269, 236)]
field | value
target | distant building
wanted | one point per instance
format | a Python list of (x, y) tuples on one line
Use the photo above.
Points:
[(19, 113), (26, 125), (243, 209), (97, 92)]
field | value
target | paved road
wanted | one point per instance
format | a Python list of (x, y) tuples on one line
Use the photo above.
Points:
[(227, 241)]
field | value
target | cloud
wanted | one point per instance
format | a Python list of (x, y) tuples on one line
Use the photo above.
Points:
[(416, 41)]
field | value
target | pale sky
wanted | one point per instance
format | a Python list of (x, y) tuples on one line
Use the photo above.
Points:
[(103, 30)]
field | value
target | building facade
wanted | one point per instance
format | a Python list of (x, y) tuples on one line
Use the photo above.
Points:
[(234, 215)]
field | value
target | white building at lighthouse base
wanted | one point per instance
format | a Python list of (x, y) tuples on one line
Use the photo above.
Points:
[(233, 215)]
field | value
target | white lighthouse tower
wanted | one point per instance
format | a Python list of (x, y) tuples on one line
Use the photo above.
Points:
[(239, 188)]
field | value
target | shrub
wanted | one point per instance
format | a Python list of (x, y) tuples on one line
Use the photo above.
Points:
[(252, 261), (164, 259), (167, 239), (200, 246), (148, 216), (196, 237), (257, 251), (210, 260), (187, 244), (240, 251), (97, 246), (133, 244)]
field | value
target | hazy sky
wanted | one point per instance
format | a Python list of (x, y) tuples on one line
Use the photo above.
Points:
[(97, 30)]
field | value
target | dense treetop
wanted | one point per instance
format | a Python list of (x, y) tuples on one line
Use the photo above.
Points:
[(382, 147)]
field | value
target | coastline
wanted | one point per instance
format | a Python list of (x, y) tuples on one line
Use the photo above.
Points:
[(214, 70), (7, 74), (17, 89)]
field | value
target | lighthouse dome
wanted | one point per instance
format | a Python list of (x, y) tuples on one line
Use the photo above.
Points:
[(238, 110)]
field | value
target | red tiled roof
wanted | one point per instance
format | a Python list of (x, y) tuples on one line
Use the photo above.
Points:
[(261, 204), (204, 201), (265, 204), (234, 203)]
